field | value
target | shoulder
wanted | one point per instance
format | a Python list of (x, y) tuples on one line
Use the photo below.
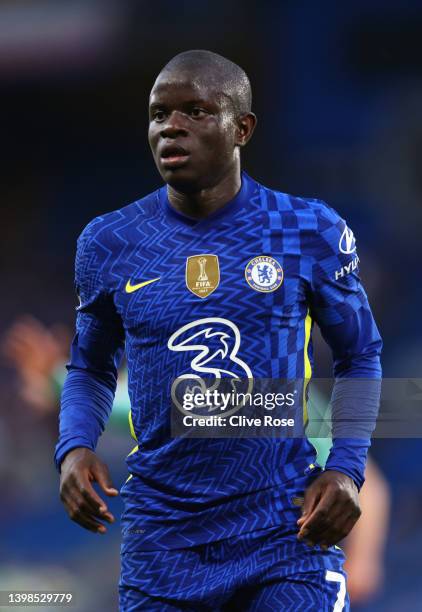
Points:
[(310, 212), (105, 230), (323, 230)]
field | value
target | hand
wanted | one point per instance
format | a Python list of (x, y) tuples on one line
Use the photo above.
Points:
[(330, 509), (79, 469)]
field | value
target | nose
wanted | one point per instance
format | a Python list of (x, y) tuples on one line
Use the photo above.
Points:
[(174, 126)]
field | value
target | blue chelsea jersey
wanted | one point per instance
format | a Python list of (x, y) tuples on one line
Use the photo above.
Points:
[(257, 272)]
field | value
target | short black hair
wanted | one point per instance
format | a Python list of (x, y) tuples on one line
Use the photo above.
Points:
[(230, 78)]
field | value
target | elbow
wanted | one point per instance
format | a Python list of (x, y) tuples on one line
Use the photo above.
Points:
[(363, 365)]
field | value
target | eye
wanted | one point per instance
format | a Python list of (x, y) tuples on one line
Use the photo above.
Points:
[(158, 115), (197, 112)]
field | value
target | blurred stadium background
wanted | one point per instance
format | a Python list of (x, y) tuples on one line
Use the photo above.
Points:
[(338, 94)]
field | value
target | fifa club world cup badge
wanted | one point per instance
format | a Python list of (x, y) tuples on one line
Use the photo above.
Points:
[(202, 274), (264, 273)]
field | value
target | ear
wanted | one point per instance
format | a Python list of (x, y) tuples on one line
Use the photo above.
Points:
[(245, 127)]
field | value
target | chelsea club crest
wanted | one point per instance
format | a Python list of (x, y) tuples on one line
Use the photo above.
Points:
[(264, 273)]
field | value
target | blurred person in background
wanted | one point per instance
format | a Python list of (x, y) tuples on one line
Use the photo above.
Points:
[(365, 546), (38, 353), (174, 520), (36, 551)]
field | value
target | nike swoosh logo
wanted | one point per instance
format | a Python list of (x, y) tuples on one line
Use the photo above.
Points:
[(131, 288)]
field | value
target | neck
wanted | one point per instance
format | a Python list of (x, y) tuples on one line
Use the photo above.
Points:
[(199, 204)]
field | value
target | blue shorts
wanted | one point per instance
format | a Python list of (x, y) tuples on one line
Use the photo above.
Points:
[(263, 570)]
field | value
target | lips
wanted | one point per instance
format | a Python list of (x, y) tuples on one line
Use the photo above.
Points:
[(173, 156)]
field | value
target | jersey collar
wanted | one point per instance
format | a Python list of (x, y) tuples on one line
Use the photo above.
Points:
[(226, 211)]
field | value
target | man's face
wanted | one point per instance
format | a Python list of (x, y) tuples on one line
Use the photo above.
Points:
[(191, 131)]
